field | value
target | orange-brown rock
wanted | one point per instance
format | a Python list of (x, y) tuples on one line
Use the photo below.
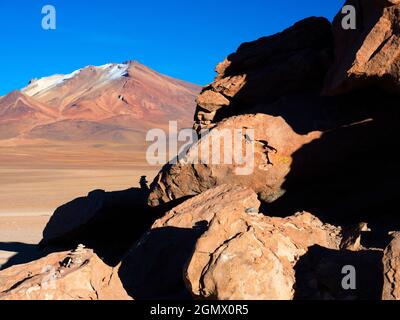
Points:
[(246, 255), (224, 248), (75, 275), (368, 55), (274, 143), (391, 265), (153, 268), (260, 72)]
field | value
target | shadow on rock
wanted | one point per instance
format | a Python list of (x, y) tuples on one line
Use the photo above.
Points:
[(108, 222), (319, 274), (287, 64), (350, 174), (153, 269)]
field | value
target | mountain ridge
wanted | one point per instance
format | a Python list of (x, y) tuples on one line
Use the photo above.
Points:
[(127, 97)]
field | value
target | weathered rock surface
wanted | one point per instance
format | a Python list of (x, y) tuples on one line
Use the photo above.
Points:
[(260, 72), (245, 255), (154, 267), (391, 265), (368, 55), (274, 144), (75, 275)]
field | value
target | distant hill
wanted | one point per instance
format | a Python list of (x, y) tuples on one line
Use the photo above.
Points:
[(115, 103)]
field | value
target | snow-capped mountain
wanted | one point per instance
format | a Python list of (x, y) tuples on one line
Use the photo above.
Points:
[(113, 102)]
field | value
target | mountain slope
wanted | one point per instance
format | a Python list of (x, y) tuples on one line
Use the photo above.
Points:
[(114, 102), (19, 113)]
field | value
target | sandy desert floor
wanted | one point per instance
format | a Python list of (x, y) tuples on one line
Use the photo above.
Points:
[(30, 190), (18, 236), (33, 192)]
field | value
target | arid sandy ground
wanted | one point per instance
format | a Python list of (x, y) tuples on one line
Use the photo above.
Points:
[(34, 181), (40, 191), (18, 235)]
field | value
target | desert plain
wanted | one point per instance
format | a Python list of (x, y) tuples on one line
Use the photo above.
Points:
[(36, 179)]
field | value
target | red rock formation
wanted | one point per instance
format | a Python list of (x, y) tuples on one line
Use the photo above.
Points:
[(225, 248), (247, 256), (76, 275), (369, 55), (153, 268), (264, 176)]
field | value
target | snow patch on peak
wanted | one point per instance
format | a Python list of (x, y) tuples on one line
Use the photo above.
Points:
[(41, 85), (105, 66), (114, 71), (106, 73)]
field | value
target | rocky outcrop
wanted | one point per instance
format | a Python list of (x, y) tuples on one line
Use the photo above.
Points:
[(225, 248), (325, 145), (75, 275), (267, 69), (258, 87), (153, 268), (369, 55), (248, 256), (391, 272), (264, 171)]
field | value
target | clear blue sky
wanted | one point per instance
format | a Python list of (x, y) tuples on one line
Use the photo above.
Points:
[(181, 38)]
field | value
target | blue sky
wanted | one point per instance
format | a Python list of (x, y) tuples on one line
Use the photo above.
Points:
[(181, 38)]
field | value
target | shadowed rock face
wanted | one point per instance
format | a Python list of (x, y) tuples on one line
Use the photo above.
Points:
[(109, 222), (75, 275), (265, 70), (319, 274), (369, 55)]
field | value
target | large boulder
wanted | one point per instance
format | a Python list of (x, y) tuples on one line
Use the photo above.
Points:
[(153, 269), (260, 72), (246, 255), (74, 275), (273, 145), (391, 265), (370, 54)]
